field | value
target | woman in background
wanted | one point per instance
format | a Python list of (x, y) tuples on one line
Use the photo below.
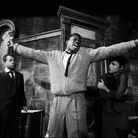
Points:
[(112, 90)]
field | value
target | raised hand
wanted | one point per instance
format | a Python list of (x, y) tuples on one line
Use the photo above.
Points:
[(136, 42), (10, 43)]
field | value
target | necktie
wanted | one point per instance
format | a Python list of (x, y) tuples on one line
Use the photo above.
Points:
[(12, 76), (68, 62)]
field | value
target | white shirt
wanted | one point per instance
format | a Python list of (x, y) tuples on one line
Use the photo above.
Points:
[(7, 70), (65, 59)]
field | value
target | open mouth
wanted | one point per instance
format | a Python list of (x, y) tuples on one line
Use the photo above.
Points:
[(76, 45)]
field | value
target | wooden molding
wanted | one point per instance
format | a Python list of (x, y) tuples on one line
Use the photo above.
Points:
[(39, 36)]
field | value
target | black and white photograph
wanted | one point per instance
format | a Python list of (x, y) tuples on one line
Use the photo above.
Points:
[(69, 69)]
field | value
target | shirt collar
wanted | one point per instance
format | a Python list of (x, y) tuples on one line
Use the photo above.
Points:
[(69, 52), (7, 70)]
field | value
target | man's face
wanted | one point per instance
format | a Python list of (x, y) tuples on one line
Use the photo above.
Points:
[(73, 44), (10, 62)]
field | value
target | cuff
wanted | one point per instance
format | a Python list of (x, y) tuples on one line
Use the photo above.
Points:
[(136, 43), (15, 46)]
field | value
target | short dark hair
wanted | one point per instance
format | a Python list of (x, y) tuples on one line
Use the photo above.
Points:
[(5, 57), (121, 59), (75, 34)]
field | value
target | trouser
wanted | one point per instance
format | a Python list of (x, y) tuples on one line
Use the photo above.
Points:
[(68, 117), (9, 128)]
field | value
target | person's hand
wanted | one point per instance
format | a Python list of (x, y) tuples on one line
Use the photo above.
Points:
[(101, 84), (136, 42), (9, 37), (126, 92), (47, 135), (25, 108), (10, 43)]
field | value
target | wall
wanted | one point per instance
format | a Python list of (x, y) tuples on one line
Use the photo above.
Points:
[(36, 75)]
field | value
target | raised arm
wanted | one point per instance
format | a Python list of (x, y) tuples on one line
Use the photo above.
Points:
[(38, 55), (26, 52), (113, 50)]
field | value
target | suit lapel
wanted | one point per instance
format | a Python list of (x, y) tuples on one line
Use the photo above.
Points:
[(5, 78), (16, 83)]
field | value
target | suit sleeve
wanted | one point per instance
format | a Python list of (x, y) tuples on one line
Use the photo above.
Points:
[(102, 93), (118, 93), (23, 98)]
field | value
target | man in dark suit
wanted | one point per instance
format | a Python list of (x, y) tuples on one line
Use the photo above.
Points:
[(12, 98)]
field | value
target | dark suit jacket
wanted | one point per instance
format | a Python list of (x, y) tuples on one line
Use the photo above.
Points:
[(11, 99)]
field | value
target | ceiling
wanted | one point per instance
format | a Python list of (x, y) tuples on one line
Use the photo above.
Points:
[(128, 10)]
